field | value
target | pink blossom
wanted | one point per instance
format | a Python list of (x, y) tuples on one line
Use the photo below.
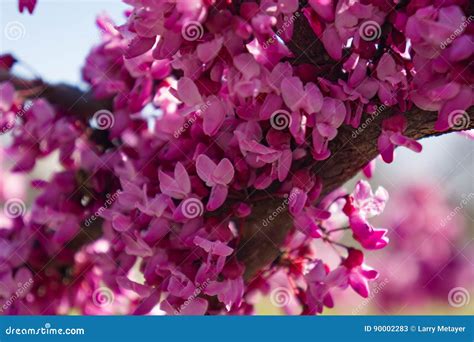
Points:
[(7, 114), (361, 205), (213, 110), (229, 292), (28, 4), (429, 27), (216, 248), (192, 88), (392, 136), (358, 273), (369, 169), (320, 283), (392, 81), (309, 221)]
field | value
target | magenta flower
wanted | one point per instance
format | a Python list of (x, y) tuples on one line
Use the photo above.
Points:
[(320, 283), (28, 4), (299, 98), (414, 213), (229, 292), (196, 307), (393, 84), (332, 115), (212, 108), (140, 289), (429, 27), (178, 186), (135, 245), (218, 122), (281, 141), (358, 273), (297, 201), (214, 248)]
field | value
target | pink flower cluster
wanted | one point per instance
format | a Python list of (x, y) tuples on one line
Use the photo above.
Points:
[(428, 243)]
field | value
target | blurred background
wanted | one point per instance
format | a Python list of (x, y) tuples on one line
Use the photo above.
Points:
[(428, 267)]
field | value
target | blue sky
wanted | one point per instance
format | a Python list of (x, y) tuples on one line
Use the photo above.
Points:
[(57, 37)]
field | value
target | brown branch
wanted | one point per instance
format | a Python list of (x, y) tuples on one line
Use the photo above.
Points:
[(308, 49), (350, 152), (71, 99)]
